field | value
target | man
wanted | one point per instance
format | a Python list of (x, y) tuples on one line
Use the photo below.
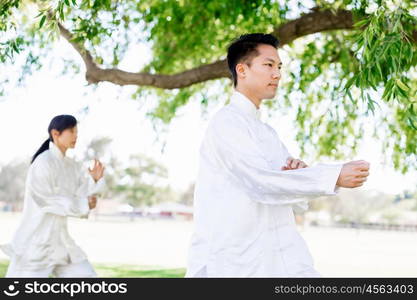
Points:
[(248, 183)]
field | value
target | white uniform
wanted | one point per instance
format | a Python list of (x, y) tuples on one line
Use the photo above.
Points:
[(56, 188), (243, 202)]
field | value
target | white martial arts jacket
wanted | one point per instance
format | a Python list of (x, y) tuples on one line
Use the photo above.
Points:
[(243, 203), (56, 188)]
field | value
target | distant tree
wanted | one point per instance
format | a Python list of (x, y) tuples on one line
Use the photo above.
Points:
[(143, 182), (12, 184), (353, 205), (187, 197)]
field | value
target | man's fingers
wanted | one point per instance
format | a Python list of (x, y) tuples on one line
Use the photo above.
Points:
[(361, 168), (294, 163), (364, 166), (360, 164), (359, 181), (363, 174)]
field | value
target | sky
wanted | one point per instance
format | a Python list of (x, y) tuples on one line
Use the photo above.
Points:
[(26, 111)]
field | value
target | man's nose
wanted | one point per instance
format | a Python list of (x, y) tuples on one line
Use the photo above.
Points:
[(276, 74)]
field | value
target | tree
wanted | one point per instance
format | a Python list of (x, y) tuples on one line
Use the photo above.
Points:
[(352, 62), (143, 182), (353, 205), (187, 197), (12, 184)]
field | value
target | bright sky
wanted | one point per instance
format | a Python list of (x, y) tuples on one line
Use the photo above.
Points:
[(26, 112)]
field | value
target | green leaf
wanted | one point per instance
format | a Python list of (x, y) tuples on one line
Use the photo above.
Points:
[(361, 23), (43, 19), (412, 122), (402, 85)]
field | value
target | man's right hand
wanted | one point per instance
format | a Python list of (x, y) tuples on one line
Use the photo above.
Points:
[(92, 201), (353, 174)]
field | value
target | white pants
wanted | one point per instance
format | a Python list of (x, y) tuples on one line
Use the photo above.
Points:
[(202, 273), (82, 269)]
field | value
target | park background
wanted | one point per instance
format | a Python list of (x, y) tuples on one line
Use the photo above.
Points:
[(347, 92)]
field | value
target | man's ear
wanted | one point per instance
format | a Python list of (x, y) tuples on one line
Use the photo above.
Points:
[(240, 70)]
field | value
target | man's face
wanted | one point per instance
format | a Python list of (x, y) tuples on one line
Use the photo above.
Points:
[(261, 76), (67, 138)]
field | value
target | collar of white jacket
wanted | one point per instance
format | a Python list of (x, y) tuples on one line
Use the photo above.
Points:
[(55, 150), (245, 105)]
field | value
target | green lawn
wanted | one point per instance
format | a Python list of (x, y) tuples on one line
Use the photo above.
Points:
[(3, 267), (120, 271)]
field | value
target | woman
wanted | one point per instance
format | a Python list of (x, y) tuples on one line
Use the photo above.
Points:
[(56, 188)]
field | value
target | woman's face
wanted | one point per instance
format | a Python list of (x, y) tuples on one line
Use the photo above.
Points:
[(67, 138)]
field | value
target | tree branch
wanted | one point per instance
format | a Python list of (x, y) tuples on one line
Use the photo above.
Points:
[(314, 22)]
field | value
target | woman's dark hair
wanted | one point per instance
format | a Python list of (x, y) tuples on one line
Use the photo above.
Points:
[(243, 49), (59, 123)]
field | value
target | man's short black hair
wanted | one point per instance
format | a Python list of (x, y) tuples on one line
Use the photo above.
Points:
[(243, 49)]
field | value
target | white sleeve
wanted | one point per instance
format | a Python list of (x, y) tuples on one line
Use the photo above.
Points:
[(40, 185), (244, 164), (302, 205)]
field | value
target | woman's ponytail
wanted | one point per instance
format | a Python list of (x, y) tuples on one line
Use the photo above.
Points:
[(44, 147)]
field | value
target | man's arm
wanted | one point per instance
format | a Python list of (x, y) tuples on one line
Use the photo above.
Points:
[(243, 164), (352, 175)]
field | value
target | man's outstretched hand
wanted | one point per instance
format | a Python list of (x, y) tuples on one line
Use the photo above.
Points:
[(353, 174)]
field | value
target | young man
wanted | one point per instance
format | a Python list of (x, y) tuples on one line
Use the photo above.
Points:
[(248, 183)]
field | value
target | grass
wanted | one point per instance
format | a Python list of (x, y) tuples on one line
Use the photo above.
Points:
[(122, 271), (3, 267)]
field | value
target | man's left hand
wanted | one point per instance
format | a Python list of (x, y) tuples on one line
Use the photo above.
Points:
[(293, 164)]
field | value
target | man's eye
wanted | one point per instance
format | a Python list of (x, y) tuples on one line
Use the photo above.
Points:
[(269, 65)]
